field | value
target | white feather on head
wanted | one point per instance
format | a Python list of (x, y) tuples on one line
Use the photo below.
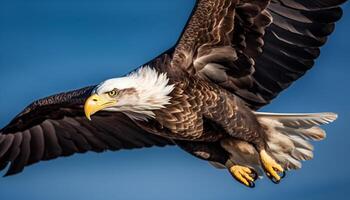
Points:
[(152, 88)]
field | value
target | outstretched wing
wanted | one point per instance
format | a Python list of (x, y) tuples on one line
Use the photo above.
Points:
[(55, 126), (255, 48)]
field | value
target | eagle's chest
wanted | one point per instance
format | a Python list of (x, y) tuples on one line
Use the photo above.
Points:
[(184, 117)]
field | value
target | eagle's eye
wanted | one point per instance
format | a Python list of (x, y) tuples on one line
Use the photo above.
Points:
[(112, 93)]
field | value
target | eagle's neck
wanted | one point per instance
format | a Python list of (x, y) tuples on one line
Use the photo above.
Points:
[(153, 93)]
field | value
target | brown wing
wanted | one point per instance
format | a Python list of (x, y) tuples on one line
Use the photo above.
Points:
[(255, 48), (55, 126)]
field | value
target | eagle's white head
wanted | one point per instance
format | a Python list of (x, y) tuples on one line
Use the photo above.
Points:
[(137, 94)]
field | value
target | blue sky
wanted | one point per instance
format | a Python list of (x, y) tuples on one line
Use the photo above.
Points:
[(58, 45)]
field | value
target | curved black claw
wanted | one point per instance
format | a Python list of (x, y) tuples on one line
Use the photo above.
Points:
[(251, 183), (255, 175), (275, 181), (284, 174), (243, 177)]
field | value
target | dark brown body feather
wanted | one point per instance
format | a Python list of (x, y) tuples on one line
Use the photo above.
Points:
[(200, 111)]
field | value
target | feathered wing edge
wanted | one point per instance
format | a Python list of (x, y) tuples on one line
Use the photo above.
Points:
[(56, 127), (247, 54)]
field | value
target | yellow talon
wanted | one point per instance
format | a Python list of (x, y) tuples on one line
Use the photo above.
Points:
[(271, 167), (243, 175)]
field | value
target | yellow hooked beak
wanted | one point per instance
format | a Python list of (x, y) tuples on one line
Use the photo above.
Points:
[(96, 103)]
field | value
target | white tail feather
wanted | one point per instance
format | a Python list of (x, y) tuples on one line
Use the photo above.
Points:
[(300, 120), (288, 135)]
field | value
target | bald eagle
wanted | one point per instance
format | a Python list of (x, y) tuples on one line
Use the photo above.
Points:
[(203, 95)]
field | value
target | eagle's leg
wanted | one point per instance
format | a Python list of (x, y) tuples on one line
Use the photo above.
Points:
[(242, 124), (244, 161), (271, 167), (243, 155), (244, 175), (273, 170)]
